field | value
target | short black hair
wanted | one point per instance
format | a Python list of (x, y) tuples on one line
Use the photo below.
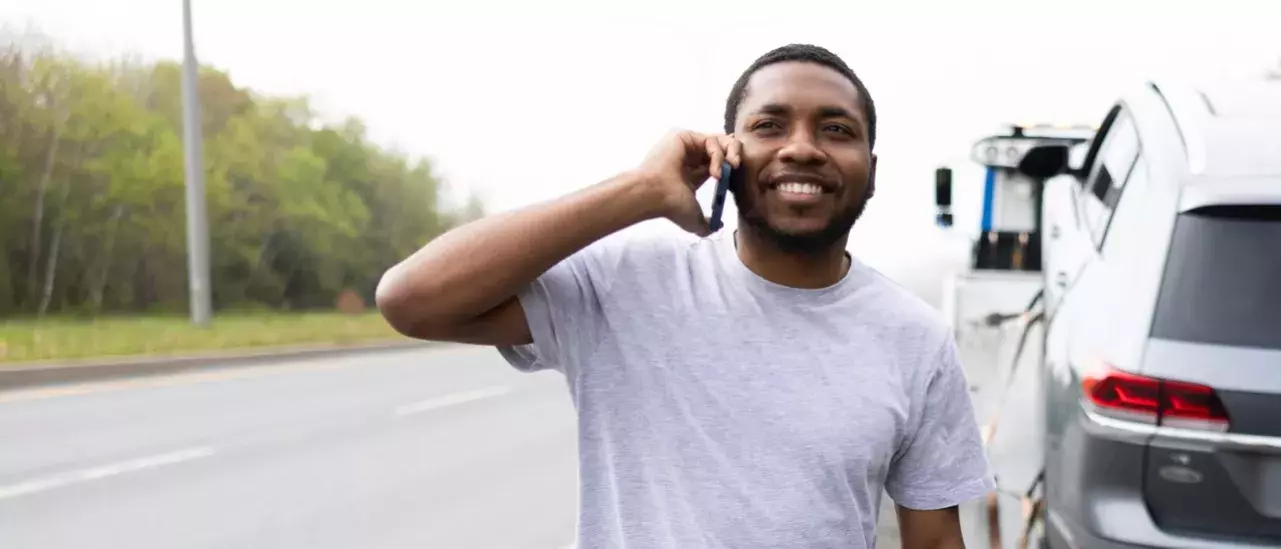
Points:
[(806, 53)]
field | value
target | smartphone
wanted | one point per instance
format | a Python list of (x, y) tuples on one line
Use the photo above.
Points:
[(718, 200)]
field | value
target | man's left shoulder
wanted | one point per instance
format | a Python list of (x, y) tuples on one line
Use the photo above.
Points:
[(915, 326)]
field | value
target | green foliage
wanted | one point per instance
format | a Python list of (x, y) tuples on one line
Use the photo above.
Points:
[(93, 215)]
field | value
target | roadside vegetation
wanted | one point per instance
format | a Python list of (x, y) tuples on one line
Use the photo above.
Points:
[(302, 212), (57, 339)]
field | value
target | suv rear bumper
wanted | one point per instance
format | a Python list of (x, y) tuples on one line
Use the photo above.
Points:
[(1065, 534), (1062, 534), (1118, 515)]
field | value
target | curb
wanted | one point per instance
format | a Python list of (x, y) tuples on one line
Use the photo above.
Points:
[(44, 374)]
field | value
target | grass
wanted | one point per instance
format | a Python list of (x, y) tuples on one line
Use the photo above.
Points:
[(68, 339)]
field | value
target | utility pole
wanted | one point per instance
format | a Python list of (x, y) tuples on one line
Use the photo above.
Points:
[(198, 280)]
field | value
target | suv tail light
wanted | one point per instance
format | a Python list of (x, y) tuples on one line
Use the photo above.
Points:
[(1156, 401)]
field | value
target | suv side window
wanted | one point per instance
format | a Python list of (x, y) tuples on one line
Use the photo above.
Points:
[(1128, 233), (1102, 189)]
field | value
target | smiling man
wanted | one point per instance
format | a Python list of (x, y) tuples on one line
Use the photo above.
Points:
[(755, 388)]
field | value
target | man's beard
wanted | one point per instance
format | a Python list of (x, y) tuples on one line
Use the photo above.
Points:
[(809, 243)]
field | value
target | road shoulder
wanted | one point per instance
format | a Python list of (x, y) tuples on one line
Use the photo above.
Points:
[(45, 374)]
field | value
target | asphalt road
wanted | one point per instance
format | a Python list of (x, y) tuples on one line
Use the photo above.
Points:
[(440, 448)]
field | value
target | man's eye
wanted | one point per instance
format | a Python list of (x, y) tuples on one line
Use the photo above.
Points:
[(841, 129), (765, 124)]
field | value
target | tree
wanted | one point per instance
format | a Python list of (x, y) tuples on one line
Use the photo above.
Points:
[(93, 221)]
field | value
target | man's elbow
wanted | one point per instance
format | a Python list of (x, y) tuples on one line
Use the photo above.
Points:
[(427, 309), (406, 309)]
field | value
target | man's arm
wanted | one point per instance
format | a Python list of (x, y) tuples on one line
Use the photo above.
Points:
[(462, 285), (943, 463), (937, 529)]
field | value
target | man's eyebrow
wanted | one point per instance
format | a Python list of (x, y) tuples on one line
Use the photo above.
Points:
[(779, 109), (837, 112), (776, 109)]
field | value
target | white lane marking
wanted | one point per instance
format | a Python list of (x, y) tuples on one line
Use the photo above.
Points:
[(451, 400), (83, 475)]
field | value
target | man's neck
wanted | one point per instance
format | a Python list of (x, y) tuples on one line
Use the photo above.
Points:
[(819, 269)]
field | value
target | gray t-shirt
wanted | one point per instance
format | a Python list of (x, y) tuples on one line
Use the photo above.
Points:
[(719, 410)]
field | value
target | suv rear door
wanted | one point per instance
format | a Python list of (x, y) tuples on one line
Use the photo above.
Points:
[(1214, 465)]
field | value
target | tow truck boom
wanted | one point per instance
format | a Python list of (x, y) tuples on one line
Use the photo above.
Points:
[(990, 308)]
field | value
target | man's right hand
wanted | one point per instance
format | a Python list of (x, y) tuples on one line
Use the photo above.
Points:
[(679, 165)]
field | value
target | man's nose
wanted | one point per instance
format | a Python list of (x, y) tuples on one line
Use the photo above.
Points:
[(802, 149)]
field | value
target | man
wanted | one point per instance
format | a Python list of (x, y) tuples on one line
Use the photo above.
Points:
[(752, 388)]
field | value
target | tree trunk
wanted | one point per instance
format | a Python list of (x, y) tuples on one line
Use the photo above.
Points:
[(264, 248), (108, 249), (140, 275), (8, 295), (55, 246), (51, 268), (37, 220)]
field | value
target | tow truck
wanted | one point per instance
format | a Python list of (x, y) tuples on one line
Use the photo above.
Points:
[(991, 306)]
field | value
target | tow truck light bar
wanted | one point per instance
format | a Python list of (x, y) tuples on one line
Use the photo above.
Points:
[(1007, 150), (1074, 128), (1000, 152)]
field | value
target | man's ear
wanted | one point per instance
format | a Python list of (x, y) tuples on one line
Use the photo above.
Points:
[(871, 178)]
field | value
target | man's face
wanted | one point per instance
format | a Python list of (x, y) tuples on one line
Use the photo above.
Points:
[(807, 165)]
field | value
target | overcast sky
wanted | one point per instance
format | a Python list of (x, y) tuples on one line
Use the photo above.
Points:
[(524, 101)]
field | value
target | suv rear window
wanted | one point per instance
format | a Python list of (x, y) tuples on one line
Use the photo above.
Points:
[(1222, 281)]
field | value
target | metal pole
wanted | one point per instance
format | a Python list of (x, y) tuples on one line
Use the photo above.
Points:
[(197, 218)]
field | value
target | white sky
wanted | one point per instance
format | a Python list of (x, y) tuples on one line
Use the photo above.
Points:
[(524, 101)]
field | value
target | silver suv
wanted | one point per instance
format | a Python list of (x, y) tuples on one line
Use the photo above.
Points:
[(1162, 373)]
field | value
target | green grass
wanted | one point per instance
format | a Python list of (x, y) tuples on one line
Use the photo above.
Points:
[(68, 339)]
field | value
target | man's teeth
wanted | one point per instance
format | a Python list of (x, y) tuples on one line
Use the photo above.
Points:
[(800, 188)]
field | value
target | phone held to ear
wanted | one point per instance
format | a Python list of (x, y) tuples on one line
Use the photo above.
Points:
[(718, 200)]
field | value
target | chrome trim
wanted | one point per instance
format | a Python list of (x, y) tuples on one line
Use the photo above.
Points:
[(1190, 115), (1183, 139), (1221, 440), (1061, 525)]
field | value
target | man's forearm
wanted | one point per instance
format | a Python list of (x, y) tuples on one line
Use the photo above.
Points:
[(935, 529), (470, 270)]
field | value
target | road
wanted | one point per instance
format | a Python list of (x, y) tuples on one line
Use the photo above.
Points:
[(440, 447)]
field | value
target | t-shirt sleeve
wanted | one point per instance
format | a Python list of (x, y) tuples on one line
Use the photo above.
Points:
[(563, 308), (942, 462)]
